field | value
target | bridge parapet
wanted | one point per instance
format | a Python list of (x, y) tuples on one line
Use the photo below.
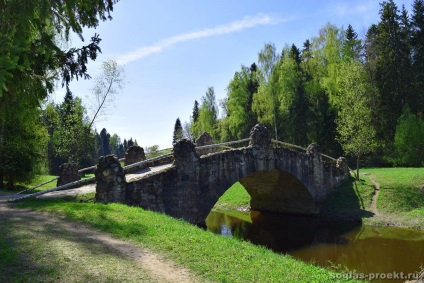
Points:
[(278, 179)]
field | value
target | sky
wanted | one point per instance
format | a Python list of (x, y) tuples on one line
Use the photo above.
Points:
[(172, 51)]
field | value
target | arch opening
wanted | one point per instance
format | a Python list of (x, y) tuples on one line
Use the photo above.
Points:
[(279, 191)]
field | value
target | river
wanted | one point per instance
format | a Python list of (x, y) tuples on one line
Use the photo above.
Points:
[(363, 250)]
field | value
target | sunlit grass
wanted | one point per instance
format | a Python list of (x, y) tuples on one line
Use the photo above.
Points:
[(210, 256), (235, 198), (402, 189)]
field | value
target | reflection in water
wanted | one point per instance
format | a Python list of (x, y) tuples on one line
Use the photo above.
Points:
[(365, 249)]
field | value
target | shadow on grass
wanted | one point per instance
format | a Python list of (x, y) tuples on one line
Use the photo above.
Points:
[(36, 248), (346, 203)]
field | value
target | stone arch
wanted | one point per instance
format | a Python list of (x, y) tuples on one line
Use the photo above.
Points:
[(278, 191), (270, 189)]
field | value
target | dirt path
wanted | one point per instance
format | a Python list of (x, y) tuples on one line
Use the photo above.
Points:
[(373, 205), (94, 244)]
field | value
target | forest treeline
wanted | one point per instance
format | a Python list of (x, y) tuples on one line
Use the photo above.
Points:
[(361, 97)]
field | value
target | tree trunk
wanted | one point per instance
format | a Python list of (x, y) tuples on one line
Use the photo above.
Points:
[(357, 168)]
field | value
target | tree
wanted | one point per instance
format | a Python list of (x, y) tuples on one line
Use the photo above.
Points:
[(107, 87), (24, 146), (72, 139), (178, 131), (130, 142), (208, 115), (105, 143), (352, 46), (409, 140), (32, 59), (293, 103), (355, 131), (195, 111), (114, 142), (266, 101), (417, 45), (393, 69), (240, 92)]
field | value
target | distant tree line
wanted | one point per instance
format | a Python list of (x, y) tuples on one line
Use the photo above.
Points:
[(358, 96), (71, 139)]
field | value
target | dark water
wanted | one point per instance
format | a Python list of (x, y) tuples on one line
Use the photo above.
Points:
[(364, 249)]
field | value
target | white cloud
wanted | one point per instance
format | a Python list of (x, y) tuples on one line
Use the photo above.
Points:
[(367, 8), (235, 26)]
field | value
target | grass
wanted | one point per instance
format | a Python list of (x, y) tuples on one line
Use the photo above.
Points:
[(39, 251), (39, 179), (401, 198), (351, 200), (235, 198), (210, 256)]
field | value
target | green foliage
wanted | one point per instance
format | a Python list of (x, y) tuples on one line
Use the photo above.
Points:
[(409, 140), (356, 133), (23, 143), (240, 92), (393, 70), (208, 115), (31, 61)]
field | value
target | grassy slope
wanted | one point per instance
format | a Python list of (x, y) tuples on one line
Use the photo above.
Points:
[(211, 256), (401, 198), (235, 198)]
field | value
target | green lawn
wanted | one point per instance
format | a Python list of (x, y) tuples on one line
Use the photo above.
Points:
[(401, 198), (235, 198), (210, 256)]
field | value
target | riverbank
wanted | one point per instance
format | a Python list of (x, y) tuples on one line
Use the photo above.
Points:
[(210, 257), (382, 197)]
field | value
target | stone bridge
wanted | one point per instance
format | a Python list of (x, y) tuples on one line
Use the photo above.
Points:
[(277, 179)]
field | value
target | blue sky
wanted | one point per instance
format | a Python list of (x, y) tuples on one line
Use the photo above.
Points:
[(173, 51)]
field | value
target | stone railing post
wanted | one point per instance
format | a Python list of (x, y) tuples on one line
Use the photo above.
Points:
[(204, 139), (262, 148), (185, 157), (110, 180), (313, 151), (68, 173), (342, 166), (134, 154)]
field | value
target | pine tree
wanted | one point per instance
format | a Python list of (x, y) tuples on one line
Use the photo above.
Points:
[(417, 44), (352, 47), (178, 131), (195, 111), (130, 142), (393, 69), (105, 146)]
